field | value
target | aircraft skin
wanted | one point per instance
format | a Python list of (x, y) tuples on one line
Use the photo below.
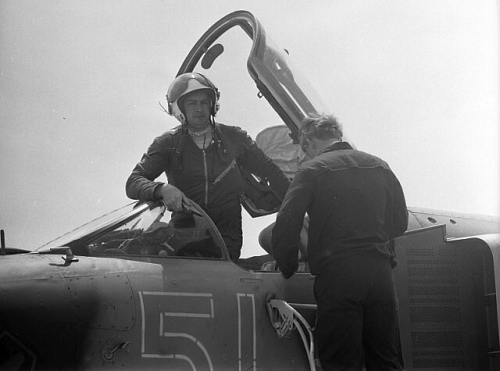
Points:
[(167, 314), (85, 302), (457, 225)]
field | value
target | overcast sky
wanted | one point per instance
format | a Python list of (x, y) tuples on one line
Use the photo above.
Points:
[(414, 82)]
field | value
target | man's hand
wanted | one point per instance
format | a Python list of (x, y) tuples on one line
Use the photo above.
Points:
[(288, 274), (172, 197)]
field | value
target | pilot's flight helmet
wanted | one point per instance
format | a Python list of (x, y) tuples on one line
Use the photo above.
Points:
[(185, 84)]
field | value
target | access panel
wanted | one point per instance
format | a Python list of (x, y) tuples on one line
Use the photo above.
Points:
[(447, 306)]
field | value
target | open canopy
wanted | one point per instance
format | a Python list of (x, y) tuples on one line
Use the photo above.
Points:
[(220, 50)]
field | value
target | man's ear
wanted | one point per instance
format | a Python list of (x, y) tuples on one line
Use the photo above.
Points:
[(304, 142), (313, 143)]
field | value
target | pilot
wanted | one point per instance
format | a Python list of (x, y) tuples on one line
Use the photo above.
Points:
[(201, 159), (356, 207)]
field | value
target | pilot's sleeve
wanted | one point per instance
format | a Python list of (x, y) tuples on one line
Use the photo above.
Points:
[(257, 162), (289, 222), (140, 184)]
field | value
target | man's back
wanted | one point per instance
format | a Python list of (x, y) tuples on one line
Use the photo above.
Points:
[(357, 202), (356, 206)]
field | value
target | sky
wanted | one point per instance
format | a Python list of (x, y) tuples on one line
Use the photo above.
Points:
[(415, 83)]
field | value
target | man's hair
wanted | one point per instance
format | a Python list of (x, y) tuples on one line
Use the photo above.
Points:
[(321, 127)]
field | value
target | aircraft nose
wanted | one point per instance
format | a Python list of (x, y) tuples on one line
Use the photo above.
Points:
[(49, 308)]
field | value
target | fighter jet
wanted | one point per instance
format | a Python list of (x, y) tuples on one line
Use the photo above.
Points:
[(142, 288)]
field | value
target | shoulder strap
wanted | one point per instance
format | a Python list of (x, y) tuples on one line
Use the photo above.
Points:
[(175, 151)]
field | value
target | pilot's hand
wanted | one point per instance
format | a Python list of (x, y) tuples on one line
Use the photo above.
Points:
[(172, 197)]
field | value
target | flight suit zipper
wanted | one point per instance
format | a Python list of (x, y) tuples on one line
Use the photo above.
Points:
[(206, 176), (224, 173)]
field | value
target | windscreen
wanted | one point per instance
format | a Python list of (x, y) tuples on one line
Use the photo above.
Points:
[(160, 233), (146, 230)]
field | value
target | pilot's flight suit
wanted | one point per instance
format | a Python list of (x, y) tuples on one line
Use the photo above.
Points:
[(356, 207), (209, 176)]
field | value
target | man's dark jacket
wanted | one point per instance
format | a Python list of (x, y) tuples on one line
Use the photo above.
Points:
[(354, 201), (210, 177)]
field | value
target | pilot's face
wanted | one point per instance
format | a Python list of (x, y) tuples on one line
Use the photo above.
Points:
[(197, 110)]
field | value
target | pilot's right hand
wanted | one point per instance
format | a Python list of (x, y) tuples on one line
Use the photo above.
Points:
[(172, 197)]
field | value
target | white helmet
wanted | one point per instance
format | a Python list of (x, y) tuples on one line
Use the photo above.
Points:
[(185, 84)]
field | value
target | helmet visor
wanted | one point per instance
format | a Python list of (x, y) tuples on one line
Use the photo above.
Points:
[(182, 85)]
